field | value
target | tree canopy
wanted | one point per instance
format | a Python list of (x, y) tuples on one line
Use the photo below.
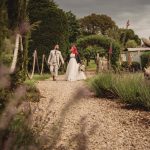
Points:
[(73, 25), (3, 22), (114, 33), (128, 34), (12, 14), (52, 30), (131, 44), (58, 27), (95, 23)]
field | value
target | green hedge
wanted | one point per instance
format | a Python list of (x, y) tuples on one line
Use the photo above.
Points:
[(145, 59), (134, 65), (124, 65), (102, 85)]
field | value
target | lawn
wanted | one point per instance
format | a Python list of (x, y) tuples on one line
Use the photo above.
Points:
[(92, 66), (37, 78)]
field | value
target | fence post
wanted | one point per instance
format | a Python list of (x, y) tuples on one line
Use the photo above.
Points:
[(43, 58)]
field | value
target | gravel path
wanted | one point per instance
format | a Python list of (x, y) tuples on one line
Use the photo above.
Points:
[(69, 117)]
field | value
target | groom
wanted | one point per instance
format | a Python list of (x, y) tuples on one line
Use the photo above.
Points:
[(54, 61)]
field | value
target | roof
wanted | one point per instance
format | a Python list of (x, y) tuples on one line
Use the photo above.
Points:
[(138, 49)]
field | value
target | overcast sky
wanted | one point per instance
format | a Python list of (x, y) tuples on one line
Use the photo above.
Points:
[(137, 11)]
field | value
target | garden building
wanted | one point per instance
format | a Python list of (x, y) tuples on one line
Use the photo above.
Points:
[(133, 54)]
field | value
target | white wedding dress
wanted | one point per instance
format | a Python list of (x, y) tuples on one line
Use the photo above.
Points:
[(73, 73)]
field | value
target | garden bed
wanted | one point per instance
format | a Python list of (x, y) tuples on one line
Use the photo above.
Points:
[(131, 89)]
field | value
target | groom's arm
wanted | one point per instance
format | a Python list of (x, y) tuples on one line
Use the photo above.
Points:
[(49, 58)]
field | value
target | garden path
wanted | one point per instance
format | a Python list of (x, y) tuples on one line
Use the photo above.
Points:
[(70, 117)]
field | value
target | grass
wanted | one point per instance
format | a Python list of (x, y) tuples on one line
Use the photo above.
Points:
[(131, 89), (92, 65), (33, 94), (22, 134), (15, 132), (37, 78), (102, 85)]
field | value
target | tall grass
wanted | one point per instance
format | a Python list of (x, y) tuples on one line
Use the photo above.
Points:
[(33, 94), (15, 113), (129, 88), (103, 86), (37, 78)]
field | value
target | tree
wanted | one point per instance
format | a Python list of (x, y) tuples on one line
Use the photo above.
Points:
[(128, 34), (53, 28), (145, 60), (3, 23), (95, 24), (131, 44), (113, 33), (14, 14), (17, 16), (73, 27), (91, 52)]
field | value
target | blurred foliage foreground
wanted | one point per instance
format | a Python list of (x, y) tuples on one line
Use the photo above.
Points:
[(15, 112)]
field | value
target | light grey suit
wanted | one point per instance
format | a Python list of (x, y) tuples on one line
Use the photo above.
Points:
[(54, 61)]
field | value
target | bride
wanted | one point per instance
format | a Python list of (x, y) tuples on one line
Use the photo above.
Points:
[(73, 73)]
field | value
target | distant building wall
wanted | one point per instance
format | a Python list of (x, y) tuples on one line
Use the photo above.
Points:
[(136, 56), (134, 53), (124, 57)]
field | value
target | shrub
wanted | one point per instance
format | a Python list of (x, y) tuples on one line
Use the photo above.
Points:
[(134, 66), (145, 59), (130, 88), (14, 113), (103, 86), (6, 59), (131, 44), (32, 94), (22, 134), (124, 65), (4, 95)]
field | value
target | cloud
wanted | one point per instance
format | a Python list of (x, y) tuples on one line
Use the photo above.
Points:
[(137, 11)]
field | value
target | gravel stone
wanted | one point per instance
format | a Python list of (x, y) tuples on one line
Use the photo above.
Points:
[(70, 117)]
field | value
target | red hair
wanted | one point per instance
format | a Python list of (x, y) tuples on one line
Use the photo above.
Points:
[(74, 50)]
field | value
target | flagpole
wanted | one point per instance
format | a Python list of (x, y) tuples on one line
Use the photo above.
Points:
[(125, 34)]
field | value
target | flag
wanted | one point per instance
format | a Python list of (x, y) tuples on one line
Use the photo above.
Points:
[(110, 48), (128, 24)]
